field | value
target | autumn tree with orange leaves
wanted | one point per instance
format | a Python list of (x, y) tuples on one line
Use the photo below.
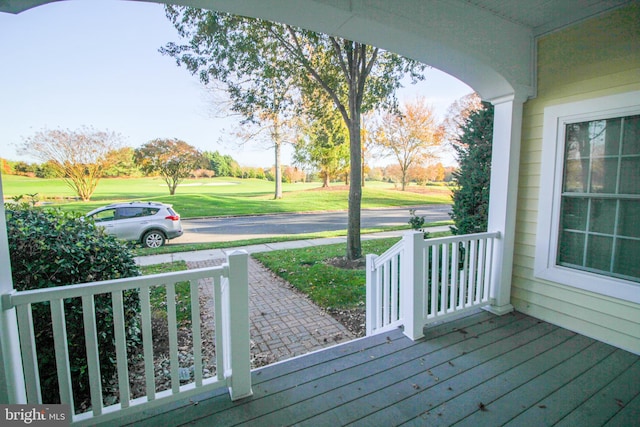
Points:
[(410, 136), (79, 157)]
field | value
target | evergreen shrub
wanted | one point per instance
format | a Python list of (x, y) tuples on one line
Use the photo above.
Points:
[(51, 248), (470, 208)]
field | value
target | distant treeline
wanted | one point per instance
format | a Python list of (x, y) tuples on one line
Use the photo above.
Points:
[(223, 165)]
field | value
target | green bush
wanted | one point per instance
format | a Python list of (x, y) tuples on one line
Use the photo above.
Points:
[(51, 248)]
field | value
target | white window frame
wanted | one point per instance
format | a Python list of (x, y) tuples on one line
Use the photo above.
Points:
[(556, 118)]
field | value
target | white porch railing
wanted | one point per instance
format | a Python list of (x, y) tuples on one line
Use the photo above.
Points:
[(418, 281), (230, 288)]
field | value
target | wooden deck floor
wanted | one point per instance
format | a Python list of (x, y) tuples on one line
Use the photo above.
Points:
[(481, 370)]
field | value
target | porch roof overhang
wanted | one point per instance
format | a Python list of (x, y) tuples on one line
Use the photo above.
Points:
[(488, 44)]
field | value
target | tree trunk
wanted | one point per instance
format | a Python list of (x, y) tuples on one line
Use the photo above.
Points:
[(278, 193), (354, 246), (278, 144), (325, 179)]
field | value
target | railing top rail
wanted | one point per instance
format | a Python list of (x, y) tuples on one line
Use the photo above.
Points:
[(93, 288), (388, 254), (461, 238)]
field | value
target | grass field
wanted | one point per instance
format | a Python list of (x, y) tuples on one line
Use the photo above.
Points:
[(327, 286), (223, 196)]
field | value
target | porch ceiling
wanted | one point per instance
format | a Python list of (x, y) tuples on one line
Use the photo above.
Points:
[(544, 16)]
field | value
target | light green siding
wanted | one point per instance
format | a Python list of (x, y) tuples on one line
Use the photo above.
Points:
[(595, 58)]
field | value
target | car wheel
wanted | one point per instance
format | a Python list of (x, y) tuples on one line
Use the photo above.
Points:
[(153, 239)]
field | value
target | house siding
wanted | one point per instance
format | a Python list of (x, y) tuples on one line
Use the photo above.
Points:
[(595, 58)]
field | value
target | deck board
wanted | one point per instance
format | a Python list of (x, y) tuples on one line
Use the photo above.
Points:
[(531, 382), (429, 368), (522, 370), (562, 401), (470, 371), (628, 416), (608, 401)]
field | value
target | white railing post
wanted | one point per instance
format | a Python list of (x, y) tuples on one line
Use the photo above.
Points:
[(12, 386), (412, 285), (371, 294), (239, 340)]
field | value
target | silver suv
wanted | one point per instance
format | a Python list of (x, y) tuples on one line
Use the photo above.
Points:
[(149, 223)]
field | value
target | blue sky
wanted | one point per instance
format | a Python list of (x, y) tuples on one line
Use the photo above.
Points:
[(96, 63)]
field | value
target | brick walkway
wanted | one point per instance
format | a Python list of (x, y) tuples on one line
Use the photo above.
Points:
[(283, 322)]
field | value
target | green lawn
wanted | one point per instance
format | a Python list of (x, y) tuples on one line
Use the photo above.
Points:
[(158, 294), (222, 196), (327, 286)]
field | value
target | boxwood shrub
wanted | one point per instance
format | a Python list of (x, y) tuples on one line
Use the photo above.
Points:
[(51, 248)]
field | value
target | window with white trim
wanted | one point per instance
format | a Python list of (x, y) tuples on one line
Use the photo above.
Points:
[(589, 212)]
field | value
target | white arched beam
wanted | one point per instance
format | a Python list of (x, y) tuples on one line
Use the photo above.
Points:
[(491, 54)]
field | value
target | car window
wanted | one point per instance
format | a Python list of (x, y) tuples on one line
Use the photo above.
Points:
[(104, 215), (149, 211), (135, 212), (128, 212)]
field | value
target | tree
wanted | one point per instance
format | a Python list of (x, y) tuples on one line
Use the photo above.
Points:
[(6, 167), (408, 136), (220, 164), (437, 172), (322, 143), (253, 66), (425, 174), (356, 77), (173, 159), (122, 163), (471, 192), (78, 157), (456, 117)]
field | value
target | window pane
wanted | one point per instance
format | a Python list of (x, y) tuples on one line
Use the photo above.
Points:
[(571, 248), (631, 138), (629, 221), (599, 252), (630, 175), (578, 143), (129, 212), (577, 153), (105, 215), (612, 137), (576, 175), (602, 216), (604, 137), (574, 213), (626, 262), (604, 174)]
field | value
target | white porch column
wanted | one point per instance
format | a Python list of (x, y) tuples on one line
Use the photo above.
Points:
[(503, 195), (12, 388)]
